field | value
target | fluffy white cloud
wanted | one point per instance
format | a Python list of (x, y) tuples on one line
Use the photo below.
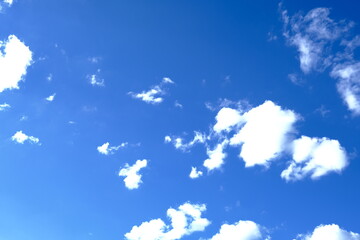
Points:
[(227, 118), (95, 80), (51, 97), (153, 96), (131, 173), (4, 106), (329, 232), (264, 135), (195, 173), (8, 1), (216, 156), (15, 57), (242, 230), (349, 84), (21, 137), (184, 221), (106, 149), (315, 157)]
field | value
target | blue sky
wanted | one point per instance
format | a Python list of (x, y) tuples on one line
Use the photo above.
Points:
[(164, 120)]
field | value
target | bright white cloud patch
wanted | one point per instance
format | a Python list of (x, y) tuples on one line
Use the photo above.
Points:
[(154, 95), (184, 221), (106, 149), (21, 137), (329, 232), (195, 173), (131, 173), (315, 157), (216, 156), (95, 80), (242, 230), (227, 118), (179, 143), (51, 97), (264, 135), (15, 57), (4, 106)]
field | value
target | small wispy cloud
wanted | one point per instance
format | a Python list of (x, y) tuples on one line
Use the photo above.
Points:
[(21, 137), (4, 106), (51, 97), (106, 149), (153, 95), (95, 80)]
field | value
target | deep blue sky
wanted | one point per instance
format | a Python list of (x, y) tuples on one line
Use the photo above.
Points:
[(212, 50)]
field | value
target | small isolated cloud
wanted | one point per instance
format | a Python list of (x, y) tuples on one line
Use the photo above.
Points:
[(216, 156), (242, 230), (178, 142), (178, 105), (154, 95), (51, 97), (264, 135), (95, 80), (15, 58), (195, 173), (106, 149), (21, 137), (4, 107), (184, 221), (49, 77), (329, 232), (131, 173), (315, 157), (227, 118)]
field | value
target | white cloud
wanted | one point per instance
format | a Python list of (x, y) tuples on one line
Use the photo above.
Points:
[(315, 157), (15, 57), (51, 97), (153, 96), (95, 80), (178, 105), (216, 156), (329, 232), (131, 173), (4, 106), (242, 230), (195, 173), (8, 1), (20, 137), (106, 149), (184, 221), (349, 84), (227, 118), (49, 78), (179, 142), (264, 135)]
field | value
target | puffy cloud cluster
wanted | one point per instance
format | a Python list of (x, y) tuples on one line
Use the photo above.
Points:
[(132, 178), (329, 232), (21, 137), (15, 58), (95, 80), (154, 95), (315, 157), (242, 230), (51, 97), (195, 173), (106, 149), (184, 221), (264, 134), (318, 39), (179, 143)]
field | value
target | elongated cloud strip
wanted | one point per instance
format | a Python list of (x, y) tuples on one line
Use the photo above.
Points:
[(242, 230), (179, 143), (329, 232), (106, 149), (131, 173), (184, 221), (315, 157), (21, 137), (15, 57), (264, 135), (154, 95), (4, 106)]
